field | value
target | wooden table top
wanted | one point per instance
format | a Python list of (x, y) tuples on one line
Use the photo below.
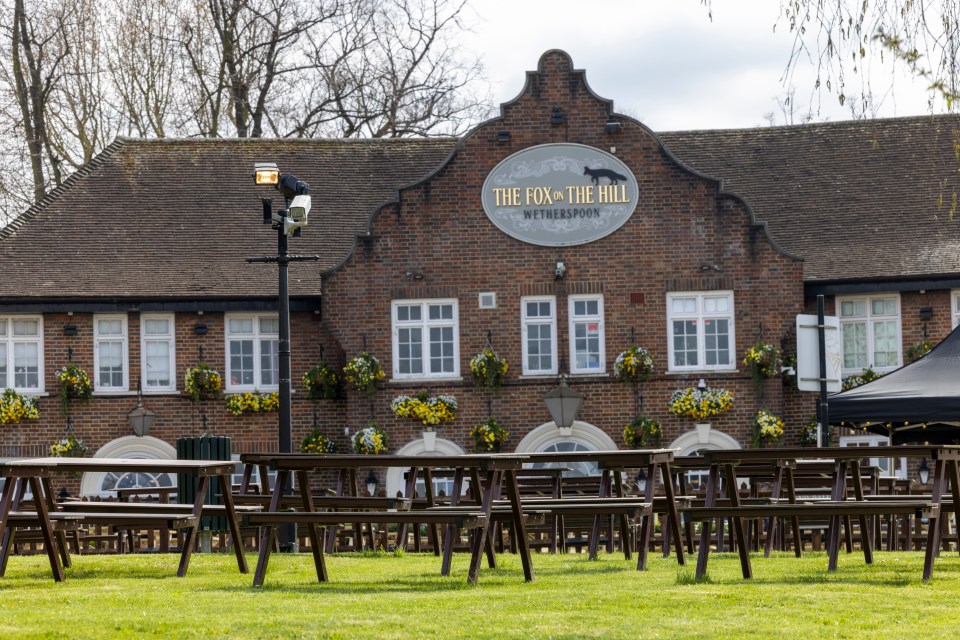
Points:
[(145, 465)]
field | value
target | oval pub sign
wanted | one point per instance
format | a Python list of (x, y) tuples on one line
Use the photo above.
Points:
[(558, 195)]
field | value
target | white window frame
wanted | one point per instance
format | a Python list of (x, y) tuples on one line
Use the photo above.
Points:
[(425, 323), (572, 320), (171, 338), (257, 337), (870, 320), (699, 317), (9, 341), (875, 440), (955, 308), (124, 340), (526, 322)]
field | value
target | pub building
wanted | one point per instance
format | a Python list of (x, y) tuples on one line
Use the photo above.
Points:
[(558, 235)]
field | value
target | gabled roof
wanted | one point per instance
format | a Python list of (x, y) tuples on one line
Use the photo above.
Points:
[(857, 200), (178, 218)]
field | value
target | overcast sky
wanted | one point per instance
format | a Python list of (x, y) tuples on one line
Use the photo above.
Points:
[(665, 63)]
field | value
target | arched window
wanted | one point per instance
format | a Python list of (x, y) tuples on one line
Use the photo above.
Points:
[(580, 437), (145, 448), (699, 439), (395, 480)]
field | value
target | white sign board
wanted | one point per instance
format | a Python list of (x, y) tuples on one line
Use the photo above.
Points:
[(808, 353)]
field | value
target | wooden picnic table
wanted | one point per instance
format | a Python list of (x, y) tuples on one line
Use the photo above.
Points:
[(497, 469), (847, 472), (612, 464), (36, 473)]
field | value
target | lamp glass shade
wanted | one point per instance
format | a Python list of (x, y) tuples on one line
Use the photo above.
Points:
[(141, 419), (924, 472), (563, 403), (372, 483), (266, 173)]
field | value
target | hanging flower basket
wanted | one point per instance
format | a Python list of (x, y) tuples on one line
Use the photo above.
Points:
[(700, 404), (74, 385), (643, 433), (69, 447), (321, 383), (252, 402), (767, 428), (15, 407), (202, 382), (852, 382), (763, 360), (430, 411), (633, 365), (488, 436), (918, 350), (315, 442), (488, 369), (370, 440), (363, 372)]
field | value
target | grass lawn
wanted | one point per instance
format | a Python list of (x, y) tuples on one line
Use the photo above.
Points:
[(402, 596)]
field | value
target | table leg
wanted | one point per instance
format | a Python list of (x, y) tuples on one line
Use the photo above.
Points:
[(733, 493), (933, 525), (673, 516), (838, 493), (478, 542), (625, 544), (646, 522), (711, 500), (431, 501), (46, 527), (451, 530), (773, 520), (866, 525), (270, 531), (408, 492), (332, 529), (794, 521), (595, 533), (313, 530), (519, 526), (191, 536), (226, 489), (954, 477)]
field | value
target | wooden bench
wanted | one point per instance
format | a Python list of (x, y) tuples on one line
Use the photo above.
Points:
[(460, 519), (831, 509)]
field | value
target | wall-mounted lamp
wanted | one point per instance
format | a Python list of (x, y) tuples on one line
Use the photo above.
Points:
[(200, 329), (709, 266), (70, 330), (503, 136), (642, 480), (613, 127), (416, 275), (372, 483), (923, 471), (702, 384), (557, 117), (926, 313), (561, 270)]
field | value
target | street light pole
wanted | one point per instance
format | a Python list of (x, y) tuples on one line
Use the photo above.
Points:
[(286, 222)]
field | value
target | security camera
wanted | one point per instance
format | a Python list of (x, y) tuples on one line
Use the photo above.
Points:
[(290, 185), (297, 214), (561, 269)]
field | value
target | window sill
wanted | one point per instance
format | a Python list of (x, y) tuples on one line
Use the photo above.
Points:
[(588, 374), (113, 394), (422, 380), (699, 372)]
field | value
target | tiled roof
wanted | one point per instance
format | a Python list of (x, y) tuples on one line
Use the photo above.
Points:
[(857, 200), (159, 218)]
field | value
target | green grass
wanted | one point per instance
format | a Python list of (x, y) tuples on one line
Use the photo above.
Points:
[(403, 596)]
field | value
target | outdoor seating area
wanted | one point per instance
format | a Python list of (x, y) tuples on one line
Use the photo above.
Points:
[(753, 500)]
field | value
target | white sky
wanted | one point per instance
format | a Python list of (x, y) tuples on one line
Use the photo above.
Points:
[(665, 63)]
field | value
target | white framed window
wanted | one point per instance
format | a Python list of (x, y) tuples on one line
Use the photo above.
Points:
[(21, 353), (538, 318), (700, 330), (888, 466), (110, 353), (253, 352), (586, 334), (426, 339), (157, 352), (955, 308), (870, 332)]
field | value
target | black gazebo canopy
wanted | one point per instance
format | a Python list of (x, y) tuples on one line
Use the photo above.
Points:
[(919, 402)]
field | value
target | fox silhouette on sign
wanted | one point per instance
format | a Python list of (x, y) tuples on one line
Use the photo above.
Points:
[(596, 174)]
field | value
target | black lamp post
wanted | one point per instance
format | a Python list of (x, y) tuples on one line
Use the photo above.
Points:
[(563, 404), (287, 222)]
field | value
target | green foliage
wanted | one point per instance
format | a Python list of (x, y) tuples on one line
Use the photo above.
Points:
[(321, 383), (868, 375), (643, 433)]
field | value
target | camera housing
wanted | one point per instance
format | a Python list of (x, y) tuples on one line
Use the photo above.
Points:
[(297, 214)]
